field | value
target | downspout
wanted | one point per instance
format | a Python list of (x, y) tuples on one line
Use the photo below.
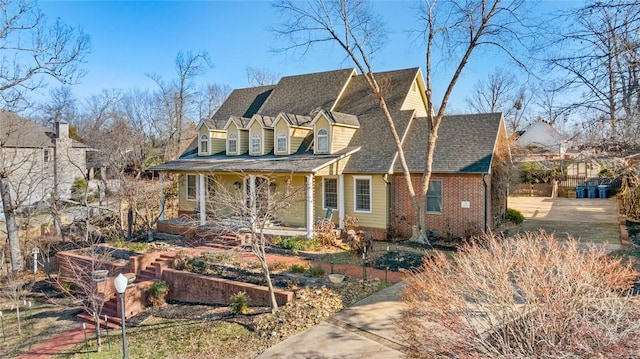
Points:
[(385, 178), (486, 202)]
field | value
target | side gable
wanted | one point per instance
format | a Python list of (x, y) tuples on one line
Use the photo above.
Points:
[(465, 144), (416, 98)]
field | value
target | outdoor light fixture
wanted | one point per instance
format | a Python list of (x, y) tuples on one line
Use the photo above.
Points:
[(237, 185), (121, 283)]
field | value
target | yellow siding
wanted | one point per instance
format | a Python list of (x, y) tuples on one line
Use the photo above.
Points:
[(335, 168), (183, 204), (280, 126), (218, 141), (414, 101), (203, 131), (297, 135), (243, 141), (294, 214), (340, 137), (322, 122), (378, 218), (267, 141), (255, 128)]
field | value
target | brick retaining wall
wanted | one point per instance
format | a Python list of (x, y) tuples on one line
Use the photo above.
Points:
[(197, 288)]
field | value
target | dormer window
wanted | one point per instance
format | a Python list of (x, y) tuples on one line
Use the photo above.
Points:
[(282, 141), (255, 143), (204, 144), (233, 143), (322, 140)]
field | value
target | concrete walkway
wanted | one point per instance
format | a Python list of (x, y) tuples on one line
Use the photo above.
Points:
[(365, 330)]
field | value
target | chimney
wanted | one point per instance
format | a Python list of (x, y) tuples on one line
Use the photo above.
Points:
[(62, 129)]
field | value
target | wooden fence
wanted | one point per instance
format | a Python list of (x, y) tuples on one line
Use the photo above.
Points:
[(566, 186)]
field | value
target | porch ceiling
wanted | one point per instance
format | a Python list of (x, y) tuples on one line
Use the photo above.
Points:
[(301, 163)]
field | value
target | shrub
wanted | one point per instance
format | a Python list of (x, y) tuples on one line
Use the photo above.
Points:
[(78, 189), (239, 303), (513, 216), (315, 272), (524, 297), (358, 241), (298, 244), (324, 232), (158, 292), (297, 268), (351, 223)]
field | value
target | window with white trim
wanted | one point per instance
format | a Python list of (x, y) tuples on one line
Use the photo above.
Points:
[(330, 193), (322, 140), (255, 143), (362, 194), (192, 187), (434, 197), (204, 143), (47, 155), (233, 143), (282, 141)]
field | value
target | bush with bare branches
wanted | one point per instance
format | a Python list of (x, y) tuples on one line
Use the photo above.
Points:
[(525, 297)]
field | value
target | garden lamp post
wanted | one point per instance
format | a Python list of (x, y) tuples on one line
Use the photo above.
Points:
[(121, 283)]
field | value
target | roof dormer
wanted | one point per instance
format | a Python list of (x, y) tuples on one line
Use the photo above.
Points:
[(333, 131), (237, 141), (289, 131), (210, 140), (260, 135)]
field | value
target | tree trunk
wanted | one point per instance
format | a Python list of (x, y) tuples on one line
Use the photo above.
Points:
[(17, 264), (96, 320)]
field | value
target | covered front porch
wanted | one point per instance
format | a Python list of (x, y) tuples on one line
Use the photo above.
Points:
[(292, 191)]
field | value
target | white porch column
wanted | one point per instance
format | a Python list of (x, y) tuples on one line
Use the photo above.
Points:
[(341, 201), (202, 201), (310, 206), (252, 201), (161, 184)]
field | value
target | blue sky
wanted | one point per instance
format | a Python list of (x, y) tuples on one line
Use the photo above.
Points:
[(130, 39)]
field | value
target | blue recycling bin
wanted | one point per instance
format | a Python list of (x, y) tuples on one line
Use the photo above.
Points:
[(592, 191), (603, 190), (581, 191)]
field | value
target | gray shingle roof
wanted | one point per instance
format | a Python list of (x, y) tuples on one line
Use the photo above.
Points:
[(16, 131), (297, 120), (241, 102), (306, 94), (465, 144), (376, 142), (305, 162), (343, 118)]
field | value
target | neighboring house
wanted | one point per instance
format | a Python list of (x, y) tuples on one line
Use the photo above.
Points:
[(36, 159), (540, 142), (326, 133)]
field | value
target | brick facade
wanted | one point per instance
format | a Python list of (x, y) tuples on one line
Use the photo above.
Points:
[(455, 220)]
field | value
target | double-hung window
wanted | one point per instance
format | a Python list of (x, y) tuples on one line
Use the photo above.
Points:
[(47, 155), (362, 194), (192, 187), (233, 143), (323, 140), (434, 197), (255, 143), (282, 141), (204, 144), (330, 193)]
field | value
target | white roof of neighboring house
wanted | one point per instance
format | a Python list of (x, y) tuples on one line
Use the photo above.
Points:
[(541, 134)]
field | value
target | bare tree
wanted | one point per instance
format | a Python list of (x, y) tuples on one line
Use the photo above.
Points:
[(525, 297), (462, 26), (177, 98), (261, 77), (31, 51), (598, 56), (500, 93), (210, 100), (253, 207)]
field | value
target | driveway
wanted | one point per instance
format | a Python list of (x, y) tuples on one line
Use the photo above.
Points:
[(589, 220)]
